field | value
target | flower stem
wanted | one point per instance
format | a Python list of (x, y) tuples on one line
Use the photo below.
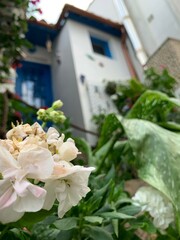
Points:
[(44, 125)]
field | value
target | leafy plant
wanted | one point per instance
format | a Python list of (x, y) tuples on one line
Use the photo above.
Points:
[(13, 27)]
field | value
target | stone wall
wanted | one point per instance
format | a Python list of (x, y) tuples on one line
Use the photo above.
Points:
[(167, 56)]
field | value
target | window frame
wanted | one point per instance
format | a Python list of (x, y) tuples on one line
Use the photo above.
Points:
[(104, 44)]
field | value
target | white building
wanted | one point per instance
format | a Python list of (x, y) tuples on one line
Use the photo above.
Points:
[(91, 51), (154, 20), (86, 51), (89, 48)]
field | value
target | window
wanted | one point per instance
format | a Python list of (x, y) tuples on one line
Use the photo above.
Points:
[(101, 47), (33, 84)]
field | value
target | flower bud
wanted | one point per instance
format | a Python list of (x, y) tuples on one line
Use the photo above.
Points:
[(41, 112), (57, 104)]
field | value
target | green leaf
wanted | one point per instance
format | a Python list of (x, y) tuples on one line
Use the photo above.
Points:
[(98, 233), (153, 106), (102, 152), (65, 235), (122, 201), (66, 223), (110, 126), (130, 210), (171, 126), (29, 219), (142, 222), (158, 154), (115, 215), (94, 219)]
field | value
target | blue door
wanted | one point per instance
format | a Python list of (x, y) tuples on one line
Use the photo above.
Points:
[(33, 84)]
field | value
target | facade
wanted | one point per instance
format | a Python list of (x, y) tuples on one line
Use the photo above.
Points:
[(154, 21), (34, 78), (73, 59), (91, 52), (87, 50)]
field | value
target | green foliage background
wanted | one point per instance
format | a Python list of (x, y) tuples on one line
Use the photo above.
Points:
[(141, 145)]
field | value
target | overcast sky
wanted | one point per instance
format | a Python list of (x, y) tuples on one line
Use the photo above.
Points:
[(52, 8)]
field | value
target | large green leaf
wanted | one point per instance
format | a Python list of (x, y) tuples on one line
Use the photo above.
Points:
[(153, 106), (157, 151)]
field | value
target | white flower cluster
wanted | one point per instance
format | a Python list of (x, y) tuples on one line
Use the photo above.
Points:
[(158, 206), (35, 170)]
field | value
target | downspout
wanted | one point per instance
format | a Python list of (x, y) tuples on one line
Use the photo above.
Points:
[(130, 28), (126, 54)]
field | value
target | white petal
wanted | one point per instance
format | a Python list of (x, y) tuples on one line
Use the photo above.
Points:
[(32, 200), (37, 162), (6, 160), (68, 151), (63, 208), (75, 189), (8, 215), (50, 187), (52, 135), (7, 194), (63, 169)]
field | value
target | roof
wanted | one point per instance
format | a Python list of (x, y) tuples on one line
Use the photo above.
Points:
[(90, 19), (40, 31)]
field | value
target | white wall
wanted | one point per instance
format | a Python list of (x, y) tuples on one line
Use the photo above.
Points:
[(105, 9), (41, 55), (175, 6), (73, 45), (114, 68), (64, 79), (155, 22)]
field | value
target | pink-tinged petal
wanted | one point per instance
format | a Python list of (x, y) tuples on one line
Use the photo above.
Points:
[(33, 201), (37, 191), (21, 187), (37, 162), (8, 215), (8, 197), (6, 160), (64, 169)]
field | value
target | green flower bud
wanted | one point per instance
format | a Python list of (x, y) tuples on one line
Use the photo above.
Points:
[(57, 104), (41, 112)]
